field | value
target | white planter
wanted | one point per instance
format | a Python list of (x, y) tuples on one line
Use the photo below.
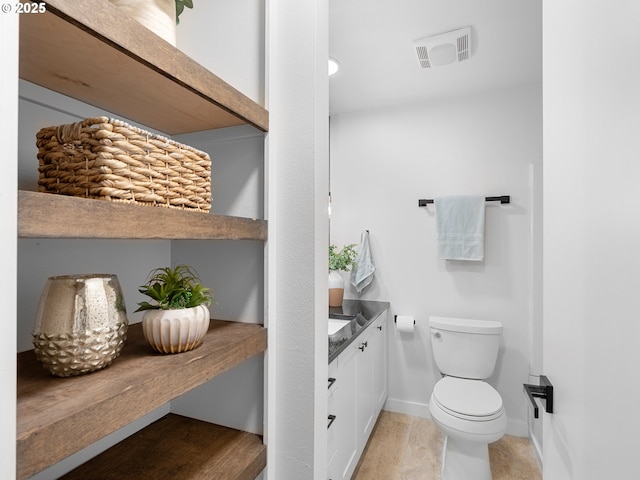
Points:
[(175, 331), (159, 16), (336, 288)]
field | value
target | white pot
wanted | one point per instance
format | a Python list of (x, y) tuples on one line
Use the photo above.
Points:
[(175, 331), (159, 16), (336, 288)]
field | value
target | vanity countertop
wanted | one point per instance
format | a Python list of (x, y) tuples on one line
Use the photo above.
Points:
[(361, 314)]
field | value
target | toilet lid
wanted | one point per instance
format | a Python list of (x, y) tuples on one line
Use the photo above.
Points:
[(468, 398)]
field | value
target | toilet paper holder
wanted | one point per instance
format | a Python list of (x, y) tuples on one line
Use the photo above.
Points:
[(544, 390), (395, 319)]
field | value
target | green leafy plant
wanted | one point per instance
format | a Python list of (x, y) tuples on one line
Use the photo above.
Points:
[(342, 259), (174, 288), (180, 4)]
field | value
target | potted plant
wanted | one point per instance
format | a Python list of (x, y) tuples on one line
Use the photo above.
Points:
[(159, 16), (339, 260), (178, 317)]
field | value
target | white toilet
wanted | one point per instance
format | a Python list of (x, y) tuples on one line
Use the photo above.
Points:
[(468, 410)]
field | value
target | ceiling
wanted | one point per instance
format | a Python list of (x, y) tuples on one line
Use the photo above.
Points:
[(373, 42)]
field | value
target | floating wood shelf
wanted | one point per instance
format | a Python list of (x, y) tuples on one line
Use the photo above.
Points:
[(47, 215), (59, 416), (92, 52), (176, 447)]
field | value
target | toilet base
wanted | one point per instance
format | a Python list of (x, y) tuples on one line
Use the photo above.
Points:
[(465, 460)]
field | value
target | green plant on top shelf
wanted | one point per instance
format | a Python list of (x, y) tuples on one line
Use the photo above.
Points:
[(180, 4), (342, 259)]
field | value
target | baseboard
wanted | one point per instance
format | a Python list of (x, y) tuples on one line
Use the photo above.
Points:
[(414, 409), (517, 428), (537, 449), (514, 427)]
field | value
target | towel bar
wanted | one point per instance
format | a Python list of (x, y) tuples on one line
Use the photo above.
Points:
[(544, 391), (502, 199)]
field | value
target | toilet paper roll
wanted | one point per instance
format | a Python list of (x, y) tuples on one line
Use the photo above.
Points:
[(405, 323)]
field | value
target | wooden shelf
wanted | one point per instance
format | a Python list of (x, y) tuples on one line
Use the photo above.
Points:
[(47, 215), (92, 52), (59, 416), (179, 447)]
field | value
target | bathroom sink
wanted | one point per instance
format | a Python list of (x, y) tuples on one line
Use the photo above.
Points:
[(335, 325)]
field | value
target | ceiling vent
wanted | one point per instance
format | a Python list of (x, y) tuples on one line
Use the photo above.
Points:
[(443, 49)]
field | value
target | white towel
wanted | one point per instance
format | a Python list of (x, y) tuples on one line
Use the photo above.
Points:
[(363, 271), (460, 224)]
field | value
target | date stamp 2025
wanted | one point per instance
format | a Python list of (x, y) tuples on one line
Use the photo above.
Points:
[(29, 7)]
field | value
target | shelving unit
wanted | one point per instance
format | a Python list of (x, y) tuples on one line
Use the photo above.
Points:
[(59, 416), (91, 52)]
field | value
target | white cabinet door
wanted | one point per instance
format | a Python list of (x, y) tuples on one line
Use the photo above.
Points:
[(365, 371), (379, 350), (332, 439), (343, 405)]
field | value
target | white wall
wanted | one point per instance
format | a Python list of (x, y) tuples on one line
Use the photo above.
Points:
[(298, 102), (8, 219), (227, 37), (592, 238), (382, 162)]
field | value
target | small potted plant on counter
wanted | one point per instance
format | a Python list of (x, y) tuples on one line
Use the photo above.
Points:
[(178, 317), (339, 260)]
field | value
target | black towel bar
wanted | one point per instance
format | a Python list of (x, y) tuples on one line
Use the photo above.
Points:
[(544, 391), (502, 199)]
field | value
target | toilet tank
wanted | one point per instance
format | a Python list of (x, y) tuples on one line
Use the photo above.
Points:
[(465, 348)]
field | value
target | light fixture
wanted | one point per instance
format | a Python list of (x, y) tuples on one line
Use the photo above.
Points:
[(333, 66)]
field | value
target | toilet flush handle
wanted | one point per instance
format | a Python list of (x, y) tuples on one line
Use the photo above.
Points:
[(436, 334)]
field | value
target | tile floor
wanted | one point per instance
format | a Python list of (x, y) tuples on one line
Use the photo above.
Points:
[(402, 447)]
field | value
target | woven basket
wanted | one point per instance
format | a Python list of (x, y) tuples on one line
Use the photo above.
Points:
[(111, 160)]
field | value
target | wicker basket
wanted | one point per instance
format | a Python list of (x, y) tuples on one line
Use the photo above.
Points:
[(111, 160)]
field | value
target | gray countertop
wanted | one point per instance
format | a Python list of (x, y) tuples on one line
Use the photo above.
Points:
[(361, 314)]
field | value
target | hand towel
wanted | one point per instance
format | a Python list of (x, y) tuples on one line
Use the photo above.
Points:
[(363, 271), (460, 227)]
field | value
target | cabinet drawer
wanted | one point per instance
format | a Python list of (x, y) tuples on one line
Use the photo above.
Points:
[(332, 435), (333, 377)]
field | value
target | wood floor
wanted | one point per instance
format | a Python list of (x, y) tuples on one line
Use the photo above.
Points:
[(402, 447)]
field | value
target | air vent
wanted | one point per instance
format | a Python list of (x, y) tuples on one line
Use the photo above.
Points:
[(445, 48)]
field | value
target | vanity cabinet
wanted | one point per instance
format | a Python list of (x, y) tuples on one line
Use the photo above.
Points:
[(360, 392), (91, 52)]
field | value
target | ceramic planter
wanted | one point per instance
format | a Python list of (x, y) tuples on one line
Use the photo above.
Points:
[(159, 16), (336, 288), (175, 331), (81, 324)]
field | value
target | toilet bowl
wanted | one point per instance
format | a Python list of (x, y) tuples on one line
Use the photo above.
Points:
[(469, 411), (471, 415)]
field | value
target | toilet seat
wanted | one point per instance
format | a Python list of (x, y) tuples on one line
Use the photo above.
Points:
[(467, 399)]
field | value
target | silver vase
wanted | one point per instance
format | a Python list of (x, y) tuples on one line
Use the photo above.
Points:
[(81, 323)]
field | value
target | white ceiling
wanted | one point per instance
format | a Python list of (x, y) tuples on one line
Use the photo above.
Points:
[(373, 41)]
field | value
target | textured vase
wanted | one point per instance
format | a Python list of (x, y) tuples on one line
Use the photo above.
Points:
[(336, 288), (175, 331), (159, 16), (81, 323)]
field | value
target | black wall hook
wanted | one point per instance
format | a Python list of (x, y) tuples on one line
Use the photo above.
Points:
[(544, 390)]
